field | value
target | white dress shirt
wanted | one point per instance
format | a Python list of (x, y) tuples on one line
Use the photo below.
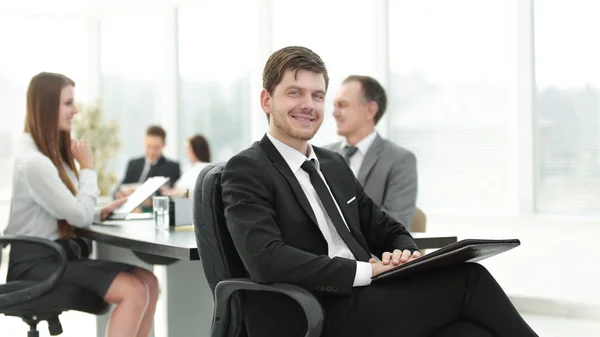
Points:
[(363, 146), (147, 166), (336, 246), (187, 181), (40, 198)]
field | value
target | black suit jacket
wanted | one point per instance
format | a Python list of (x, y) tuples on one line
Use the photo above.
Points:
[(274, 228), (162, 168)]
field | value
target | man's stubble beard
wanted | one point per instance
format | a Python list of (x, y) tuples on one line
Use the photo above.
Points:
[(284, 125)]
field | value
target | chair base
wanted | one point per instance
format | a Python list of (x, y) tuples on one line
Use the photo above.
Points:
[(54, 326)]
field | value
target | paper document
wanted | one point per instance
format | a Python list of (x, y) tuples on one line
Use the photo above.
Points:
[(128, 189), (145, 191)]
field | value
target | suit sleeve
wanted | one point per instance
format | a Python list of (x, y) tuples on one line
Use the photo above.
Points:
[(248, 198), (383, 233), (126, 179), (175, 174), (400, 196)]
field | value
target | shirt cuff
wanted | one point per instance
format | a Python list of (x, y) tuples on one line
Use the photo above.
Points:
[(97, 213), (88, 182), (88, 175), (364, 271)]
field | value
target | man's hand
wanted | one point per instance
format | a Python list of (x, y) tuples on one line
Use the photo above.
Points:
[(398, 257), (120, 195), (379, 267), (107, 210), (173, 192), (391, 260)]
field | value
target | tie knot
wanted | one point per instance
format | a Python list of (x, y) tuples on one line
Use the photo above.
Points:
[(349, 151), (309, 166)]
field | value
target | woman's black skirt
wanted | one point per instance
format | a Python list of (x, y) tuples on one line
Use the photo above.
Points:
[(35, 263)]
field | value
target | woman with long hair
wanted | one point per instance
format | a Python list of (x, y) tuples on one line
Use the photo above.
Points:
[(51, 197), (197, 151)]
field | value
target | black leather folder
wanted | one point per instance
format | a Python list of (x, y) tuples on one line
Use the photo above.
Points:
[(469, 250)]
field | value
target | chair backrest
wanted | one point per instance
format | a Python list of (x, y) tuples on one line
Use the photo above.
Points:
[(218, 254), (419, 223)]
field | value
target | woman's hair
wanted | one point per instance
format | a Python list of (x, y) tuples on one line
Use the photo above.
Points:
[(200, 148), (41, 121)]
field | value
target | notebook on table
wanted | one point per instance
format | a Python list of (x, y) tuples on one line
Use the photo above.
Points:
[(469, 250)]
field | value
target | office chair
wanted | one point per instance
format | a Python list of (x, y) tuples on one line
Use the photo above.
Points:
[(419, 222), (226, 274), (223, 268), (35, 301)]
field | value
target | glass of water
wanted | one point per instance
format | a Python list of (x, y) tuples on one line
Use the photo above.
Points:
[(160, 208)]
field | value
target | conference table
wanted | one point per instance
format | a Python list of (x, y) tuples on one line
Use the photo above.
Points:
[(185, 305)]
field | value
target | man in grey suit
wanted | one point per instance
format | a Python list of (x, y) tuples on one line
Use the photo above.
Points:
[(387, 171)]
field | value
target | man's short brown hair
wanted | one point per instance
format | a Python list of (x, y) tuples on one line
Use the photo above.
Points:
[(157, 131), (292, 58), (372, 92)]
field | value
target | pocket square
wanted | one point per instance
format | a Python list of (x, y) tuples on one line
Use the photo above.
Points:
[(351, 200)]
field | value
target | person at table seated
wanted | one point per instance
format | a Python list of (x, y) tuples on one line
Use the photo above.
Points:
[(297, 214), (198, 154), (153, 164), (51, 197)]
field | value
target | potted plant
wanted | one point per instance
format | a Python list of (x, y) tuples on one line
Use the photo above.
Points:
[(104, 140)]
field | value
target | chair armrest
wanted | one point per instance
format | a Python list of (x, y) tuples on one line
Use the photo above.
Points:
[(224, 289), (34, 289)]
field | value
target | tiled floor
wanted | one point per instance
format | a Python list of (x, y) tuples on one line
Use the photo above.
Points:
[(78, 325), (548, 326), (75, 324)]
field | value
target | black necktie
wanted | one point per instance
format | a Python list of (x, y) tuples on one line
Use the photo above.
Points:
[(348, 152), (336, 218)]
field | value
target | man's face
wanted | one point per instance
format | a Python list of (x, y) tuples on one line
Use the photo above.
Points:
[(154, 147), (296, 105), (350, 109)]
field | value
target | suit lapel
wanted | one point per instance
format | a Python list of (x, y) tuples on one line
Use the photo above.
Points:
[(373, 154), (284, 169)]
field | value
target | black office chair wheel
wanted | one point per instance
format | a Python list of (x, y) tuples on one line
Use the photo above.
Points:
[(54, 326)]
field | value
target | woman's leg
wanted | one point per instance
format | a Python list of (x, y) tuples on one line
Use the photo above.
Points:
[(131, 297), (149, 279)]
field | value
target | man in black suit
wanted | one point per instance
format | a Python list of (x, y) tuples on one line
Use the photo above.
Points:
[(297, 214), (153, 164)]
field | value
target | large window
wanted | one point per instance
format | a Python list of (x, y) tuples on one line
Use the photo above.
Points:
[(343, 32), (31, 45), (134, 72), (452, 98), (215, 62), (568, 107)]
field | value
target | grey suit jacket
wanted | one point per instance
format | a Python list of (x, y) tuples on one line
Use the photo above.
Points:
[(388, 174)]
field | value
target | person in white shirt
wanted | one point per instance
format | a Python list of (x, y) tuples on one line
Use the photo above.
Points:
[(51, 197), (197, 151)]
